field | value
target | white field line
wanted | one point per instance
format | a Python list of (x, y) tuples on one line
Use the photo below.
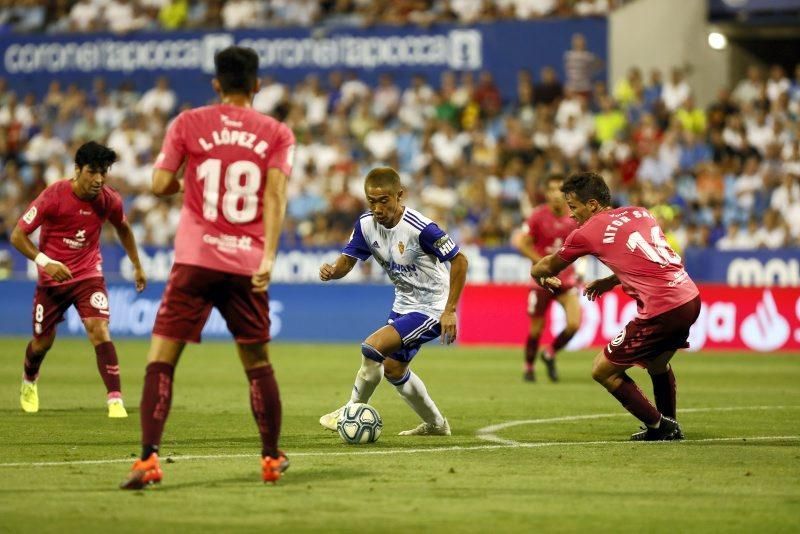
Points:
[(455, 448), (484, 433), (489, 433)]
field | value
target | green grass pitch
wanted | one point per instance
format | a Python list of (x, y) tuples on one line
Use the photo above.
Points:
[(739, 469)]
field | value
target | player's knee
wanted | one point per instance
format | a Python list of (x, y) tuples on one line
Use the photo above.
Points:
[(97, 331), (371, 353), (536, 328), (571, 329), (42, 345), (394, 374), (599, 374)]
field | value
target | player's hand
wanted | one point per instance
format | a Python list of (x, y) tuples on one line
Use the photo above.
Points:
[(139, 279), (263, 275), (448, 323), (596, 288), (550, 283), (58, 271), (326, 272)]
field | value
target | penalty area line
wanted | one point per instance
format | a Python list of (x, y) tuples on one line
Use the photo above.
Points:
[(385, 452)]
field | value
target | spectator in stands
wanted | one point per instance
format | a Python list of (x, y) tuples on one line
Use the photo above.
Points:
[(580, 65), (549, 89), (691, 118), (43, 146), (676, 91), (749, 89), (159, 99)]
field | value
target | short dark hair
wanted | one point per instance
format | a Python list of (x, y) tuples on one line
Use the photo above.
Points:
[(587, 186), (237, 69), (383, 177), (98, 157)]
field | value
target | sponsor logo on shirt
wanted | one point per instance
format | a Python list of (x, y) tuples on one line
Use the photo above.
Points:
[(227, 121), (393, 267), (444, 245), (85, 212), (229, 243), (375, 244), (30, 215), (79, 241)]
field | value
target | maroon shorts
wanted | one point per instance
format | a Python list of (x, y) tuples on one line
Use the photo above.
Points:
[(50, 303), (191, 293), (643, 340), (539, 299)]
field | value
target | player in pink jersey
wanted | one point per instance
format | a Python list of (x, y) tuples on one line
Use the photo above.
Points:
[(542, 234), (71, 214), (237, 166), (629, 242)]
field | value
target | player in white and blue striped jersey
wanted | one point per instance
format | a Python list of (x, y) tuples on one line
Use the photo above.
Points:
[(413, 251)]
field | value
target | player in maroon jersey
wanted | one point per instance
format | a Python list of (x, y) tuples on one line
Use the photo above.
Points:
[(237, 166), (629, 241), (71, 214), (542, 234)]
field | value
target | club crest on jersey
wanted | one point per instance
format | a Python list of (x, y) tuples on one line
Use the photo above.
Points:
[(401, 247)]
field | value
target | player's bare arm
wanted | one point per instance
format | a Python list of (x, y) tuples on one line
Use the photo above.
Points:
[(54, 268), (274, 211), (165, 183), (458, 277), (597, 287), (523, 242), (545, 271), (126, 237), (343, 265)]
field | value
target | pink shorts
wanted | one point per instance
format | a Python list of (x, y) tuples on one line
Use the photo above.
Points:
[(193, 291), (643, 340), (50, 303)]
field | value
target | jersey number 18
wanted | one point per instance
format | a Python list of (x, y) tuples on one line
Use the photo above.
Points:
[(240, 201)]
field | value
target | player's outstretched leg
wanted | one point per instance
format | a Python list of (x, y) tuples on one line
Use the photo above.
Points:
[(265, 402), (531, 346), (572, 310), (664, 391), (367, 379), (29, 392), (625, 390), (414, 392), (548, 354), (108, 366), (153, 411)]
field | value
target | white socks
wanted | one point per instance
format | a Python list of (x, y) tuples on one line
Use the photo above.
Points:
[(367, 379), (414, 393)]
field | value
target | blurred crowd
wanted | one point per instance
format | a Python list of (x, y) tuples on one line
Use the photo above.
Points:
[(123, 16), (726, 175)]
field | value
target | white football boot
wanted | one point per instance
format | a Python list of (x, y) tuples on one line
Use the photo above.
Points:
[(428, 429), (329, 420)]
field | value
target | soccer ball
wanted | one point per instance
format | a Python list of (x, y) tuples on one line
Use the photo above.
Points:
[(359, 423)]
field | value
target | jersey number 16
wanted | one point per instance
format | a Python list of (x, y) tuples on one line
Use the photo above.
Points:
[(242, 182), (657, 251)]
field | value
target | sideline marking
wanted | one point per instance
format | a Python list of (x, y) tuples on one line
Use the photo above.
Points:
[(483, 433)]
